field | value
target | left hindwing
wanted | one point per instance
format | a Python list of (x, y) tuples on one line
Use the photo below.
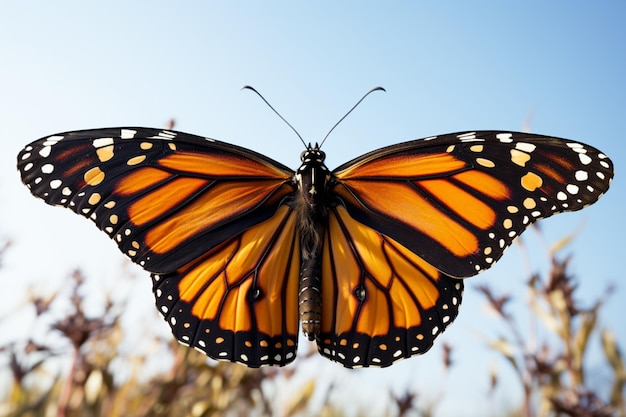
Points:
[(459, 200), (239, 301), (165, 197)]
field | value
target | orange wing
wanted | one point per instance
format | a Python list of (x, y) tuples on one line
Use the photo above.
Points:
[(459, 200), (381, 302), (165, 197), (239, 302), (208, 219)]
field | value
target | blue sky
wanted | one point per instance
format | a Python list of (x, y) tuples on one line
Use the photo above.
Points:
[(557, 67)]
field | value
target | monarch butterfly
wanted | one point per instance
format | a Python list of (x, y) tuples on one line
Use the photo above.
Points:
[(241, 249)]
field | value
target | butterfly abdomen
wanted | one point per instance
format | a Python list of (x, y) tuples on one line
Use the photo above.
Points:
[(309, 297)]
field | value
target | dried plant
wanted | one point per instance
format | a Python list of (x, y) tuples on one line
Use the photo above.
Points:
[(551, 370), (77, 374)]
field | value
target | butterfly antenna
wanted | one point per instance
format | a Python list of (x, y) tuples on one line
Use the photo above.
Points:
[(350, 111), (247, 87)]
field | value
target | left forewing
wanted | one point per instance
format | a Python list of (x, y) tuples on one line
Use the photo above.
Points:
[(164, 197)]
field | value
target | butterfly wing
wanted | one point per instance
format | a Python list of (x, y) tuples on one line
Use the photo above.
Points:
[(381, 302), (239, 301), (459, 200), (164, 197), (208, 219)]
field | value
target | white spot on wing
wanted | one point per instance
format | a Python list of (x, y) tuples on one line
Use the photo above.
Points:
[(504, 137), (128, 133), (45, 151), (52, 140), (572, 188), (526, 147), (584, 159), (581, 175), (99, 143), (47, 168)]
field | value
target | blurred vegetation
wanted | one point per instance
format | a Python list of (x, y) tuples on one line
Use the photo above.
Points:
[(78, 372), (550, 358)]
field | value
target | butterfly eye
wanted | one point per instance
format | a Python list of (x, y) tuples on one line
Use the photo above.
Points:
[(303, 155), (322, 156)]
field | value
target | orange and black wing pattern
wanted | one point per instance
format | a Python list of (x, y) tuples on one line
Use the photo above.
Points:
[(205, 217), (458, 201), (165, 197), (239, 301), (409, 219), (224, 230), (381, 302)]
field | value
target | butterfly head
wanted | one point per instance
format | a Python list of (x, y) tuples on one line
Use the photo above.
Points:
[(312, 154)]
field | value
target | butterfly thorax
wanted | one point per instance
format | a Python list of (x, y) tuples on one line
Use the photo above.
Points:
[(310, 205), (312, 179)]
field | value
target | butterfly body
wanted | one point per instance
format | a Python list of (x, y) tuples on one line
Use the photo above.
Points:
[(366, 258), (312, 179)]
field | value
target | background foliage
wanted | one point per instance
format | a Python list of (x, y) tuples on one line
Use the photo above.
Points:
[(84, 370)]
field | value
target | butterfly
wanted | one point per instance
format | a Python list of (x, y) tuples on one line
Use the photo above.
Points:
[(367, 258)]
